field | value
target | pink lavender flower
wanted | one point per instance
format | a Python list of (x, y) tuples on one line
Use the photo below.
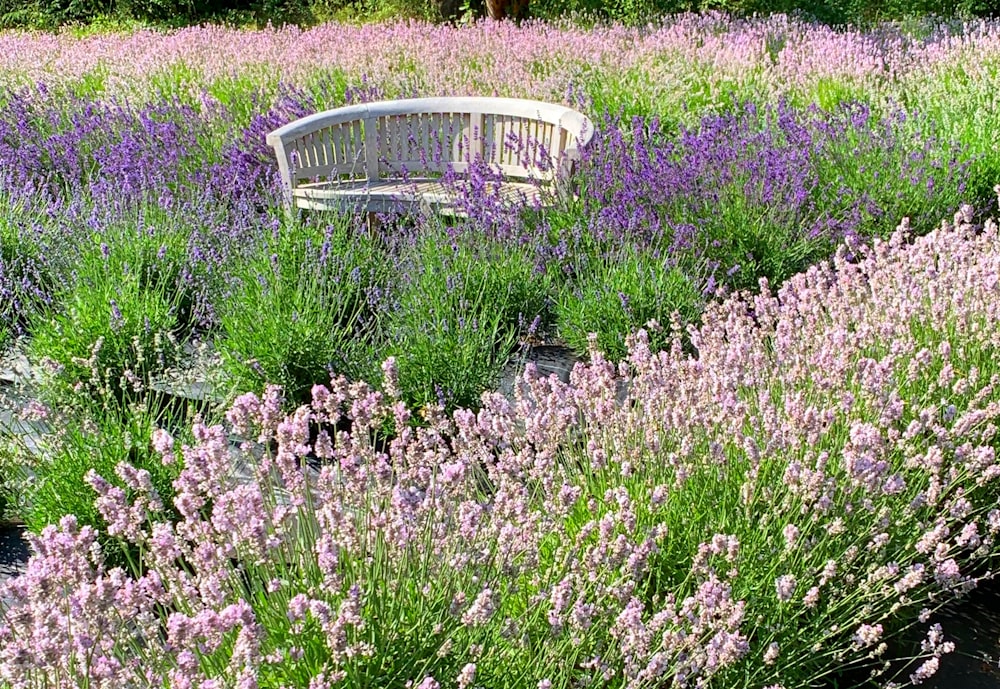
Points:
[(811, 598), (163, 443), (35, 411), (467, 676), (926, 670), (868, 635), (390, 378), (947, 573), (481, 610), (791, 534), (785, 586)]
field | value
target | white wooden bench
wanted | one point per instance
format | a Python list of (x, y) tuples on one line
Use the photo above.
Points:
[(395, 155)]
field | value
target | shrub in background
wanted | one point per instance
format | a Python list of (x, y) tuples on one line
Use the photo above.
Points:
[(834, 12), (52, 13)]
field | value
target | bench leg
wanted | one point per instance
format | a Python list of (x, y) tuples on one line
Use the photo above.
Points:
[(374, 224)]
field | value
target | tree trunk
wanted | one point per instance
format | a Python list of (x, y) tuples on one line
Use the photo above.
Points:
[(507, 9)]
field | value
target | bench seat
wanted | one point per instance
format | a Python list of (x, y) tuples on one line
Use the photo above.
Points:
[(385, 196)]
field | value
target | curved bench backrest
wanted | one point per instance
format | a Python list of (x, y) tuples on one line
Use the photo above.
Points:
[(523, 138)]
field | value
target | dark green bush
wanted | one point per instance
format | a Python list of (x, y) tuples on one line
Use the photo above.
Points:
[(48, 14), (618, 294), (834, 12), (99, 440), (461, 309), (113, 324)]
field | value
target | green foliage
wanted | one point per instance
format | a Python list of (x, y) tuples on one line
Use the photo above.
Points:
[(615, 295), (117, 14), (298, 310), (24, 278), (93, 439), (460, 311), (113, 325), (834, 12)]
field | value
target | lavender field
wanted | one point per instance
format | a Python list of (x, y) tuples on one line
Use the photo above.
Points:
[(774, 461)]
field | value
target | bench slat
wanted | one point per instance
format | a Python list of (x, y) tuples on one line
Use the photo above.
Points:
[(371, 149), (336, 139), (383, 196)]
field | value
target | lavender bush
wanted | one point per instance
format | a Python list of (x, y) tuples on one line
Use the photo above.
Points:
[(305, 306), (120, 314), (614, 295), (763, 191), (75, 170), (89, 437), (456, 314), (767, 511)]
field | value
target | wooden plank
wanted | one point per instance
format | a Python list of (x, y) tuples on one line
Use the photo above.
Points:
[(287, 185), (335, 144), (332, 172), (338, 145), (402, 150), (371, 148), (299, 159), (504, 156), (452, 150), (435, 126), (463, 153), (397, 134), (553, 144), (424, 140), (357, 150), (327, 156), (315, 149), (384, 141), (489, 138), (305, 146), (352, 145), (534, 138), (475, 135)]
